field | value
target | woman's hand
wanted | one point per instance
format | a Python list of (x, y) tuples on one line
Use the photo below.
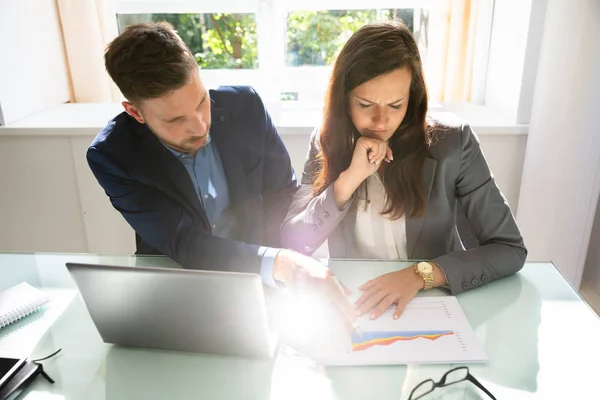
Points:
[(379, 294), (368, 155), (366, 159)]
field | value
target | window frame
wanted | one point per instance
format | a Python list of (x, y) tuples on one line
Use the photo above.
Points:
[(271, 18)]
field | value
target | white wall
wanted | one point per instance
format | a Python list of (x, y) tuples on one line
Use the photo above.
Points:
[(561, 177), (39, 202), (33, 69), (50, 201)]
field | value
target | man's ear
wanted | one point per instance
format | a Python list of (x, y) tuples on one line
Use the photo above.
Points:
[(133, 111)]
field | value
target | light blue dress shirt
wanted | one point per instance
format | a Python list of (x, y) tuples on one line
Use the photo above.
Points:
[(208, 177)]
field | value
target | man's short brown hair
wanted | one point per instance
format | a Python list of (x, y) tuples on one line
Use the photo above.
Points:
[(148, 60)]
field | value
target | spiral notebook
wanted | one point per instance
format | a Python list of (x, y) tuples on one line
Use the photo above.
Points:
[(19, 301)]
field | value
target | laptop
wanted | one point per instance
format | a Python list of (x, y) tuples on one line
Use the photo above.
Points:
[(177, 309)]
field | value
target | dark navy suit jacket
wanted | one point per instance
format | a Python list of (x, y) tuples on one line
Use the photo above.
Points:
[(154, 193)]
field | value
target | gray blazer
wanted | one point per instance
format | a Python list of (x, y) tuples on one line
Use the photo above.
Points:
[(458, 183)]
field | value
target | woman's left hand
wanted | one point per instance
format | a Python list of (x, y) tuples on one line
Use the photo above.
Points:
[(379, 294)]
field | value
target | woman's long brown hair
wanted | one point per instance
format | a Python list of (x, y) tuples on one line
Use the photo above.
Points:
[(374, 50)]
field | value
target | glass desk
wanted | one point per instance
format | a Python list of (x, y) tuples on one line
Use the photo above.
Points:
[(542, 341)]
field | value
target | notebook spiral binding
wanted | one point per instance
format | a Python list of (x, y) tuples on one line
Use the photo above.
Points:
[(22, 312)]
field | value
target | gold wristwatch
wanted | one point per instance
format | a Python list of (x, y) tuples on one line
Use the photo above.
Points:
[(425, 271)]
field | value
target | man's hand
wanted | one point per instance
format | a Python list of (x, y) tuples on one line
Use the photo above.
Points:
[(301, 273), (379, 294)]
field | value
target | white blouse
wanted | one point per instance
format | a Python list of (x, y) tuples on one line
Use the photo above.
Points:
[(376, 235)]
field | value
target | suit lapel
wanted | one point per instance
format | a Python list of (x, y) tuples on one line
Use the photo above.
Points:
[(154, 159), (223, 134), (414, 226)]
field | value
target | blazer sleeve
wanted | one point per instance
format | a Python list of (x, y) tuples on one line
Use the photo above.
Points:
[(163, 224), (279, 179), (501, 251), (311, 219)]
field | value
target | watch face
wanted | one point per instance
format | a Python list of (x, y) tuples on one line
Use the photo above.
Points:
[(424, 267)]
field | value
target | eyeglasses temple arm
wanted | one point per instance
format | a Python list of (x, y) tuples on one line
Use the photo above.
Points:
[(475, 382)]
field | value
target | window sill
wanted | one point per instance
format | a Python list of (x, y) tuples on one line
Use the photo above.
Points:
[(82, 119)]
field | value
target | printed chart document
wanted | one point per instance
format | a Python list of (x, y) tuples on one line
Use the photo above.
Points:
[(431, 330)]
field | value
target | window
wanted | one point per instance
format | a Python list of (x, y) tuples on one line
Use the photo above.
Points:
[(285, 48), (218, 41), (315, 37)]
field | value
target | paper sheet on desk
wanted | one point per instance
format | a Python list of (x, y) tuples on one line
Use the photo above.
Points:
[(431, 330), (20, 338)]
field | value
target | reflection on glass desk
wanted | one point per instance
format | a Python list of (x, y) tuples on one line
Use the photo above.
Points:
[(541, 339)]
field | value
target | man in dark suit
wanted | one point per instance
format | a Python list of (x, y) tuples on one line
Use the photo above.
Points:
[(202, 177)]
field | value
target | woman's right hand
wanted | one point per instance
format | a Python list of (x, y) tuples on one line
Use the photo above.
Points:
[(366, 159)]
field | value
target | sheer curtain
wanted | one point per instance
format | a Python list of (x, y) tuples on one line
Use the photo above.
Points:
[(88, 26), (449, 58)]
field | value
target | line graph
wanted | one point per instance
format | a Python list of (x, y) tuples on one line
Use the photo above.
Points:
[(379, 338), (431, 330)]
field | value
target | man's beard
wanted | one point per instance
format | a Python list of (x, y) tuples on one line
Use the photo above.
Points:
[(188, 146)]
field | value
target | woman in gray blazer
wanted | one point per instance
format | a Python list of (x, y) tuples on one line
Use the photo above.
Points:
[(382, 180)]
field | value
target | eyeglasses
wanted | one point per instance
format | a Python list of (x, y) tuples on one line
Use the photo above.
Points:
[(451, 377)]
